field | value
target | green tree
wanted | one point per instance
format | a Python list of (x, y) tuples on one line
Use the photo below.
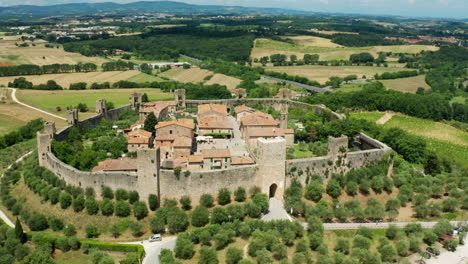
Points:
[(153, 202), (121, 194), (37, 222), (362, 242), (219, 216), (150, 122), (388, 253), (106, 192), (234, 255), (443, 227), (92, 231), (333, 188), (133, 197), (107, 207), (240, 194), (177, 221), (78, 203), (122, 209), (65, 200), (200, 216), (208, 255), (402, 247), (184, 248), (224, 196), (140, 210), (92, 206), (206, 200), (20, 235), (314, 191), (186, 202)]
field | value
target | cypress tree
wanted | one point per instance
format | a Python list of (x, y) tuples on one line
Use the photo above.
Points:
[(19, 232)]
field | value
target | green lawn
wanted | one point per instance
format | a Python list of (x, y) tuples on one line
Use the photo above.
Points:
[(301, 152), (9, 123), (371, 116), (350, 87), (49, 100)]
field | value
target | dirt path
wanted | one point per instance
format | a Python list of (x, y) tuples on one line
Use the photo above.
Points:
[(384, 119), (13, 97)]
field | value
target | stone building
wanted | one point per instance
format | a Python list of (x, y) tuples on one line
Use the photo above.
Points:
[(212, 109), (161, 109), (214, 124), (216, 159), (139, 139)]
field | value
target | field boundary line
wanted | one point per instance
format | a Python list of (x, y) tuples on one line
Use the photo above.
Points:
[(13, 96), (384, 119)]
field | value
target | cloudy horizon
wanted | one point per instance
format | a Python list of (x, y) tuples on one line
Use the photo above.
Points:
[(412, 8)]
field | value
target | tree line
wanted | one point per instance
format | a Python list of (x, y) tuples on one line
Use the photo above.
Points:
[(21, 134), (30, 69), (395, 75)]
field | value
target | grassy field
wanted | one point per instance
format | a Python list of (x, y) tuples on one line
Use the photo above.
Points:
[(409, 85), (13, 115), (79, 257), (323, 73), (310, 41), (451, 143), (267, 47), (65, 79), (230, 82), (371, 116), (40, 55), (193, 75), (49, 100)]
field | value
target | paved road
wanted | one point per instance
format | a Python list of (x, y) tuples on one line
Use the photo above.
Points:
[(276, 211), (382, 225), (153, 249), (2, 214), (13, 97), (301, 85)]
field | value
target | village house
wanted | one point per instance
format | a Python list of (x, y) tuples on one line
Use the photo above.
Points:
[(195, 162), (139, 139), (216, 158), (121, 164), (212, 109), (168, 131), (161, 109), (257, 120), (210, 125), (254, 133), (242, 111)]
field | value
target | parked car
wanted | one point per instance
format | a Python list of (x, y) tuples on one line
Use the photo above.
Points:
[(433, 251), (155, 237)]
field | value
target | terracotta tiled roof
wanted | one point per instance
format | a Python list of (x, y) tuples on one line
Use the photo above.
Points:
[(122, 164), (165, 138), (211, 122), (207, 108), (139, 133), (216, 153), (138, 140), (182, 142), (266, 132), (241, 160), (184, 122), (137, 123), (195, 158), (259, 119), (243, 108), (180, 162)]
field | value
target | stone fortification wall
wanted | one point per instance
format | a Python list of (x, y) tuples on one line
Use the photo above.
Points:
[(93, 121), (84, 179), (325, 166), (198, 183)]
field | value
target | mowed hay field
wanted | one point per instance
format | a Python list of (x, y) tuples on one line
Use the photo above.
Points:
[(230, 82), (193, 75), (40, 55), (313, 41), (65, 79), (196, 75), (323, 73), (266, 47), (13, 115), (409, 85), (49, 100)]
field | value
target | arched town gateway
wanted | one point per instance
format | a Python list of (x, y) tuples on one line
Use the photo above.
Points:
[(270, 171)]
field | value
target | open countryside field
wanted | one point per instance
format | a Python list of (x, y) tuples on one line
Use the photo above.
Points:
[(193, 75), (40, 55), (65, 79), (323, 73), (449, 142), (143, 77), (267, 47), (313, 41), (230, 82), (13, 115), (409, 85), (49, 100)]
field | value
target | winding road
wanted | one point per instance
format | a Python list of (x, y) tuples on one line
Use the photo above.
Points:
[(13, 97)]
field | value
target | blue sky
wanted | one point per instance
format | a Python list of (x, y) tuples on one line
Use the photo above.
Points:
[(421, 8)]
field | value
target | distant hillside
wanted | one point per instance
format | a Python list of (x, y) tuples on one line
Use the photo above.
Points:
[(22, 11)]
